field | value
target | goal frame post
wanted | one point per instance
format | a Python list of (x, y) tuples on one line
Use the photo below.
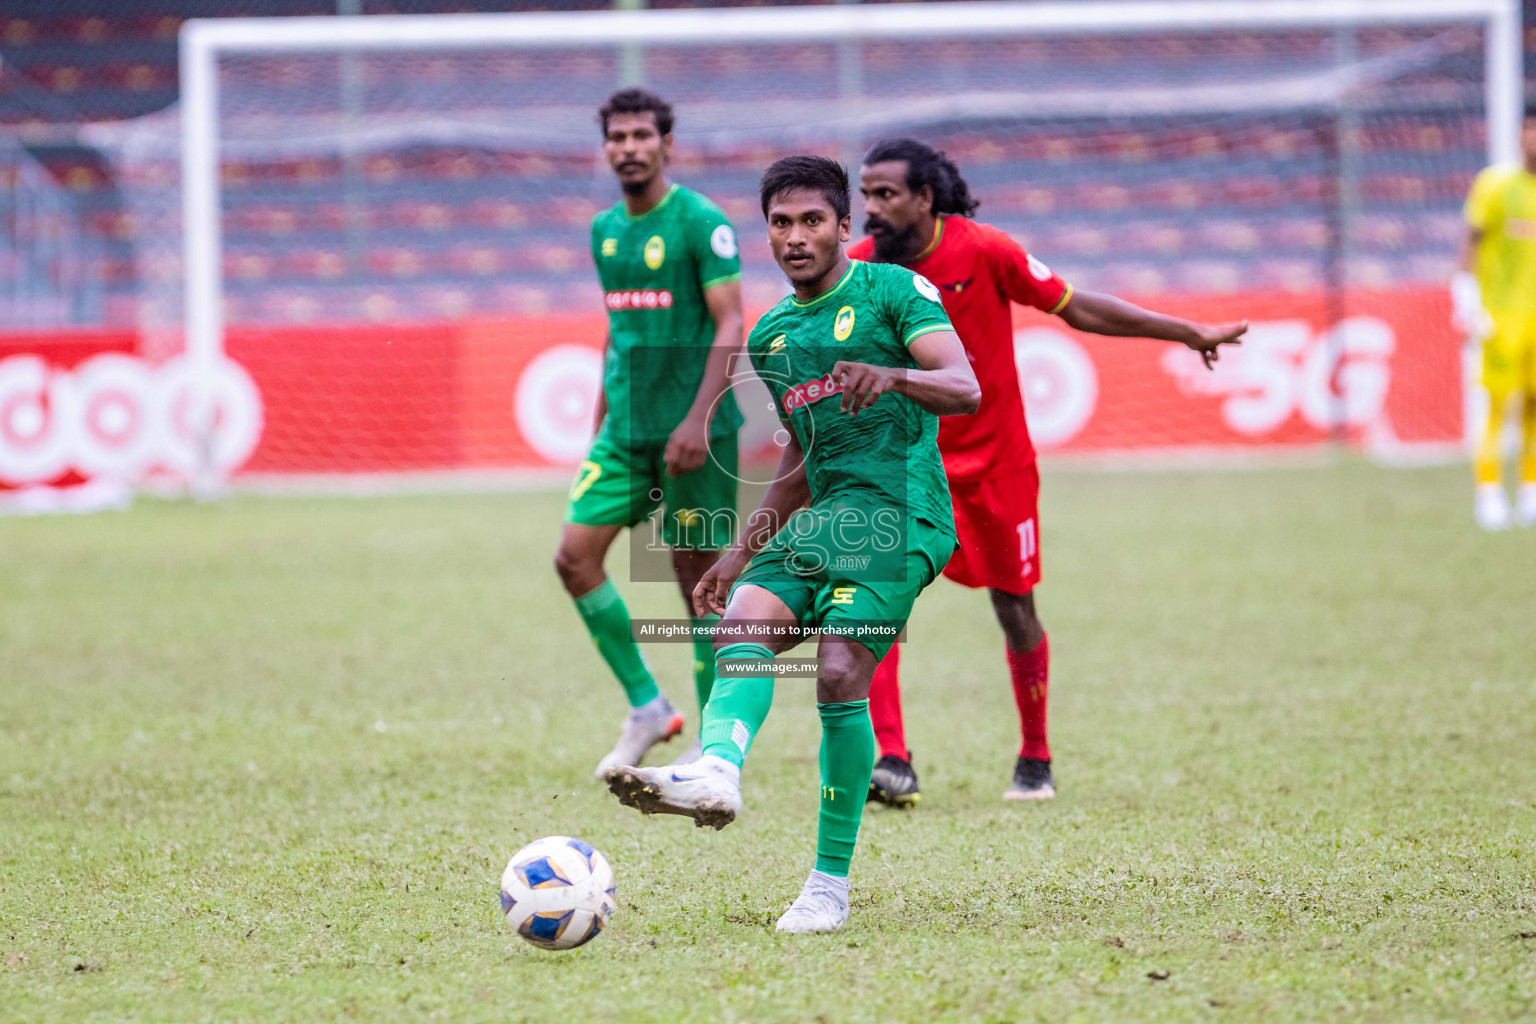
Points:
[(203, 41)]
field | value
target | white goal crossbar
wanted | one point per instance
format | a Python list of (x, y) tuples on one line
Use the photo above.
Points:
[(203, 41)]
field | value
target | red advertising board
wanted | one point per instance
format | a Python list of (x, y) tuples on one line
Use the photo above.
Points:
[(1383, 371)]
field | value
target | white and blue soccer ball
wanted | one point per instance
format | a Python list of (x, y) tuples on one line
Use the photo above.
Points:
[(557, 892)]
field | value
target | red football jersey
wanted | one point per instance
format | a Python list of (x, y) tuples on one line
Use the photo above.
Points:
[(981, 272)]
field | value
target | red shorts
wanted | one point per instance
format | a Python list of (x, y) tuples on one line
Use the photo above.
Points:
[(997, 524)]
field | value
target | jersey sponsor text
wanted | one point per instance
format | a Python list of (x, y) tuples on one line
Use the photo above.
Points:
[(640, 298), (801, 395)]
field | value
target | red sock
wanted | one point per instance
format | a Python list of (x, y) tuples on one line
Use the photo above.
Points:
[(1031, 671), (885, 705)]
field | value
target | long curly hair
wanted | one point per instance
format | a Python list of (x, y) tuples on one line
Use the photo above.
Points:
[(930, 168)]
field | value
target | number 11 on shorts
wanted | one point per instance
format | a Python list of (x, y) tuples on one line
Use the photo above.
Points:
[(1027, 541)]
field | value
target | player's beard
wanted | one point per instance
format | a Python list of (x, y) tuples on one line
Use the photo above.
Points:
[(893, 246), (637, 188)]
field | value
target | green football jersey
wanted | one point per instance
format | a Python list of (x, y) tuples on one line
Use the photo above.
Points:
[(889, 451), (654, 269)]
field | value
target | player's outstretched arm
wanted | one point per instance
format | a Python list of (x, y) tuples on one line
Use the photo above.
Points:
[(688, 446), (1097, 313), (945, 384), (788, 494)]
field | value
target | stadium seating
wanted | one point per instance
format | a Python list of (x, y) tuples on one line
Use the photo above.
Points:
[(422, 233)]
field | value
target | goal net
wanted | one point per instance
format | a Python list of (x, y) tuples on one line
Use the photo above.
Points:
[(44, 260), (376, 228)]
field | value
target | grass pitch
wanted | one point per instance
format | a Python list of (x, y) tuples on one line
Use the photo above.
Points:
[(264, 760)]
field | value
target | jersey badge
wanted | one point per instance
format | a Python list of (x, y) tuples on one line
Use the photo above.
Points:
[(1039, 271), (722, 241), (655, 252), (843, 325), (925, 288), (958, 286), (610, 247), (843, 595), (777, 344)]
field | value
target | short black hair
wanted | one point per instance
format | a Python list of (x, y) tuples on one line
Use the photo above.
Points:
[(812, 173), (637, 101), (928, 168)]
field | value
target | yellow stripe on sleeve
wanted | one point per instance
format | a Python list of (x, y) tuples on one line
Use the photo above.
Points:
[(930, 329), (1066, 297)]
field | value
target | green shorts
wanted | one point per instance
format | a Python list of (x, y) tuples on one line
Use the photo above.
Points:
[(620, 484), (854, 577)]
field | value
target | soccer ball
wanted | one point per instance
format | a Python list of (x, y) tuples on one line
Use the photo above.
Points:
[(557, 892)]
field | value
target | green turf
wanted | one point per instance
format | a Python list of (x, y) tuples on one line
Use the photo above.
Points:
[(264, 760)]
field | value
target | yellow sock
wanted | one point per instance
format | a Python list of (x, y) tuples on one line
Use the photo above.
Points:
[(1486, 464), (1528, 440)]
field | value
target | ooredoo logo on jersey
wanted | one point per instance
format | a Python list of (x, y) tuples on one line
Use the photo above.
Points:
[(801, 395), (639, 298)]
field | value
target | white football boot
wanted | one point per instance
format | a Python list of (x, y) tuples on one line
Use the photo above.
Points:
[(708, 790), (1525, 505), (822, 906), (649, 724), (692, 754), (1491, 507)]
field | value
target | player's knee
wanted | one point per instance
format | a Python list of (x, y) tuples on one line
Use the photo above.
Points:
[(725, 636), (575, 570), (842, 677), (1022, 628)]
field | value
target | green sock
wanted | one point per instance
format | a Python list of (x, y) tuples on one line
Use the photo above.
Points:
[(703, 661), (737, 707), (607, 621), (847, 760)]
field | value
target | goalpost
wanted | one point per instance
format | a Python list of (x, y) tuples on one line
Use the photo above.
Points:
[(848, 37)]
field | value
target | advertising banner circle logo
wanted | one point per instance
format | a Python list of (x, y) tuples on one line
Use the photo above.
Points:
[(1059, 384), (556, 396), (119, 416)]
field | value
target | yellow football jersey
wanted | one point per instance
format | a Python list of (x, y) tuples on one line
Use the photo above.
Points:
[(1502, 204)]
